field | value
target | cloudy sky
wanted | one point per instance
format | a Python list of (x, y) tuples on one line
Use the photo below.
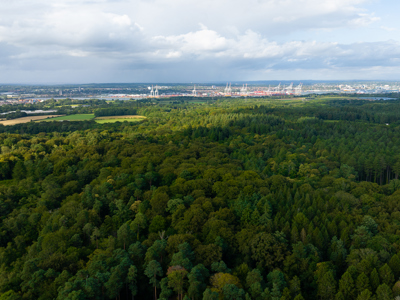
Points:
[(85, 41)]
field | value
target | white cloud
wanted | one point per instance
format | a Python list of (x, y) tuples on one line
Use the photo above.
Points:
[(82, 21), (78, 53), (364, 20), (206, 44), (201, 42), (66, 27), (146, 35), (173, 54), (388, 28)]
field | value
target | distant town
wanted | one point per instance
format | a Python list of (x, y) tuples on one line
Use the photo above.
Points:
[(10, 94)]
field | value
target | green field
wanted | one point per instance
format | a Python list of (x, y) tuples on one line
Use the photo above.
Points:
[(117, 120), (77, 117), (84, 117)]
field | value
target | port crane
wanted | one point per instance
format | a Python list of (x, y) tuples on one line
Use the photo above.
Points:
[(277, 89), (297, 89), (289, 89), (228, 90), (243, 90)]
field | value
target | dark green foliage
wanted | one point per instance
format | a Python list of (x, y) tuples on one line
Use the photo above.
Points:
[(197, 281), (231, 291), (132, 279), (166, 292), (386, 275), (362, 283), (220, 267), (374, 279), (327, 286), (210, 295), (338, 252), (383, 292), (152, 271), (394, 265), (346, 286), (255, 283), (365, 295), (184, 257), (266, 196), (157, 224)]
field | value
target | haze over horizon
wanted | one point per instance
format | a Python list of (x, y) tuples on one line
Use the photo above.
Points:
[(77, 41)]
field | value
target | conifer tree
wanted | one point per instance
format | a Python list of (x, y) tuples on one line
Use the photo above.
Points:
[(396, 289), (365, 295), (286, 294), (374, 279), (386, 275), (340, 296), (153, 270), (394, 265), (132, 279), (362, 283), (346, 286), (327, 286), (383, 292), (275, 293)]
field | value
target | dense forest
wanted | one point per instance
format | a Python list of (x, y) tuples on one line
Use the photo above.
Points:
[(232, 199)]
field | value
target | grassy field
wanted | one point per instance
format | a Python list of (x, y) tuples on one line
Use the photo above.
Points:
[(28, 119), (77, 117), (121, 117), (101, 120), (113, 119)]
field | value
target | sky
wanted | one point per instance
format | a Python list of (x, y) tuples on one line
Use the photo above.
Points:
[(171, 41)]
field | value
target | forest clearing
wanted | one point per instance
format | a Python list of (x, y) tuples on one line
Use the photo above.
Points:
[(121, 117), (113, 119), (27, 119), (75, 117)]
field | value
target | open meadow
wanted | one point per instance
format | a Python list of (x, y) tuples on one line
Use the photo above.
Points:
[(101, 120), (77, 117), (29, 119), (113, 119)]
